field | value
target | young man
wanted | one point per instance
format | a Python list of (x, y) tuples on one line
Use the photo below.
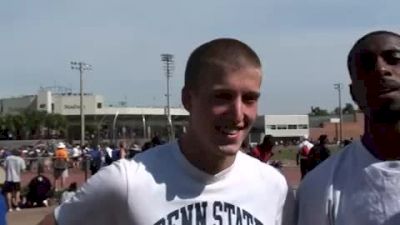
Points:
[(318, 153), (360, 184), (303, 149), (263, 151), (14, 166), (203, 178), (60, 165)]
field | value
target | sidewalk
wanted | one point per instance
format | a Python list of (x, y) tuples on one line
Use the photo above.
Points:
[(28, 216)]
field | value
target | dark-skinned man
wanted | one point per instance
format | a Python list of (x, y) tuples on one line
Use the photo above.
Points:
[(361, 184)]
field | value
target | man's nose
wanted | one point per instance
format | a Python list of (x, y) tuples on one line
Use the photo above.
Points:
[(382, 67), (237, 110)]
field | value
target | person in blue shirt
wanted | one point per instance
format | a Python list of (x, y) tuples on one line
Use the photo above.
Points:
[(3, 210)]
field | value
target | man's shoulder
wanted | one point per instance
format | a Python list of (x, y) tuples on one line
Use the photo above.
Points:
[(156, 156), (324, 174)]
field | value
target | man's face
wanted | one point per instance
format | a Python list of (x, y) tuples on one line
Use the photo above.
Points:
[(376, 77), (223, 108)]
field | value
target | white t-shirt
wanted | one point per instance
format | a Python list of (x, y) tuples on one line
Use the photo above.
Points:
[(109, 151), (75, 152), (14, 166), (305, 143), (160, 186), (351, 188)]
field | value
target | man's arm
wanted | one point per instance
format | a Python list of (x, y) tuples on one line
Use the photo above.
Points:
[(48, 220), (107, 186), (23, 164)]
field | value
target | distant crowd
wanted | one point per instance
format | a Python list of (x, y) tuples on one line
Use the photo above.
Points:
[(56, 158)]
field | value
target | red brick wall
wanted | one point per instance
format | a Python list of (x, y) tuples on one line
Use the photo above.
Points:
[(353, 129)]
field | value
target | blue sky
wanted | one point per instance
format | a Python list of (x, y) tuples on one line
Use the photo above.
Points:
[(302, 45)]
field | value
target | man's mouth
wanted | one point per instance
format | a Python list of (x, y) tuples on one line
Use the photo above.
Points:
[(229, 130), (388, 86), (386, 91)]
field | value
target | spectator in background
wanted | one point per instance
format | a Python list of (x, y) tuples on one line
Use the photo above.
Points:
[(108, 154), (318, 153), (156, 140), (303, 150), (38, 191), (3, 210), (14, 166), (60, 165), (120, 153), (263, 151), (95, 156), (123, 151), (76, 154), (133, 150), (69, 193)]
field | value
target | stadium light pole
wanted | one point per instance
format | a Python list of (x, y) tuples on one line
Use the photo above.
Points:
[(338, 87), (113, 128), (168, 60), (81, 66)]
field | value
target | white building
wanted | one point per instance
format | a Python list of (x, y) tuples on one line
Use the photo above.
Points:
[(130, 122), (289, 127)]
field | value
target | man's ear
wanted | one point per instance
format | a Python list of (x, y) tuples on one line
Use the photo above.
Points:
[(186, 98), (352, 93), (354, 97)]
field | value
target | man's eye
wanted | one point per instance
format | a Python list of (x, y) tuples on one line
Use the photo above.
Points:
[(223, 96), (392, 57), (367, 61), (250, 98)]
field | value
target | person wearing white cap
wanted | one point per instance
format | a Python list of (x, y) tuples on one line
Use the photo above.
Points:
[(302, 155), (60, 165)]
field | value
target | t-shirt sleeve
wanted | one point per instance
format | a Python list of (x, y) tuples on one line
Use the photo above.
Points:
[(99, 200), (312, 198), (289, 210), (282, 189), (21, 164)]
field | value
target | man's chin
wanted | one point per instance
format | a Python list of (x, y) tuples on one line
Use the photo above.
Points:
[(229, 150), (386, 115), (383, 116)]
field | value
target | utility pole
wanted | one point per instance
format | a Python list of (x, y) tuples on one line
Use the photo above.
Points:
[(81, 66), (168, 60), (338, 87)]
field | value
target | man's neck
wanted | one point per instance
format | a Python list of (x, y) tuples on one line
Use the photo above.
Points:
[(202, 158), (382, 140)]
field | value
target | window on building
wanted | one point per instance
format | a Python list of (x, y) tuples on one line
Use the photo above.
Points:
[(271, 127), (52, 107), (99, 105), (303, 126), (292, 126), (42, 106), (282, 127)]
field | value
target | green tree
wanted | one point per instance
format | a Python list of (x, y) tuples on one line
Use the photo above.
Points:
[(35, 120), (20, 128), (55, 122), (317, 111), (9, 124), (348, 109), (2, 122)]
